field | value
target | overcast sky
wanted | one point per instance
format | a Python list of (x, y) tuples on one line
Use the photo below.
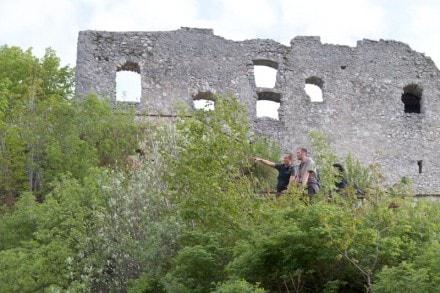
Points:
[(55, 23)]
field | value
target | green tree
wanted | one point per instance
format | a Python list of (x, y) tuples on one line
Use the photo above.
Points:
[(46, 133), (29, 88), (340, 244), (416, 255), (213, 178), (88, 133), (238, 286), (199, 264), (210, 189), (51, 247), (187, 216)]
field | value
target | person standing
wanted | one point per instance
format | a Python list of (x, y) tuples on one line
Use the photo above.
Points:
[(285, 170), (307, 174), (341, 183)]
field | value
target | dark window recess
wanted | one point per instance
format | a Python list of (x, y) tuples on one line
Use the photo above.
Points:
[(411, 102), (420, 163), (343, 66)]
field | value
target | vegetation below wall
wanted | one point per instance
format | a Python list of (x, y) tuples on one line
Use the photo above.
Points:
[(80, 212)]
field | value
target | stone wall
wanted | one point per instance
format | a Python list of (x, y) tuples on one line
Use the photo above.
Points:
[(362, 110)]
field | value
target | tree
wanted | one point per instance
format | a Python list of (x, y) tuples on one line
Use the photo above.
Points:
[(209, 186), (187, 215), (51, 242), (213, 178), (29, 88), (46, 132)]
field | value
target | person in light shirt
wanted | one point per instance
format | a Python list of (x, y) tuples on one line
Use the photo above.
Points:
[(306, 174)]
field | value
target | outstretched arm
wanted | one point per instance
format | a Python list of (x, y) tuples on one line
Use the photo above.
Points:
[(265, 162)]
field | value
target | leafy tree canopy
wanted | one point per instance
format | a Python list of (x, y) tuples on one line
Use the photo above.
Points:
[(192, 214), (45, 132)]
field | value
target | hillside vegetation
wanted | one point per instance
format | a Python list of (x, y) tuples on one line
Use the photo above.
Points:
[(82, 211)]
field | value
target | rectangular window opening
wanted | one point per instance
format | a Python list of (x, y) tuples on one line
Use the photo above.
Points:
[(420, 163)]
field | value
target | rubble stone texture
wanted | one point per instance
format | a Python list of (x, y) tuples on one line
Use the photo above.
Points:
[(381, 99)]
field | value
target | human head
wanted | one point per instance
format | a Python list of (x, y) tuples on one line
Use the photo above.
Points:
[(339, 167), (287, 158), (301, 153)]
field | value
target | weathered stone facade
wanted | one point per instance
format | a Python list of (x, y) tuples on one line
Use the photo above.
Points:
[(381, 99)]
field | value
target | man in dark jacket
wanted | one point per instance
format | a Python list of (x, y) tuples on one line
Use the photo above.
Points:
[(285, 170), (341, 182)]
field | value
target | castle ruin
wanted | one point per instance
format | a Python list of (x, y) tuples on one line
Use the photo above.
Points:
[(381, 99)]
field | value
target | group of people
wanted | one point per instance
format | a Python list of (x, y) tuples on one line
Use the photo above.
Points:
[(303, 175)]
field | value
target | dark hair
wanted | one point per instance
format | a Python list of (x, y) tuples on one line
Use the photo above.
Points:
[(289, 154), (339, 167), (304, 150)]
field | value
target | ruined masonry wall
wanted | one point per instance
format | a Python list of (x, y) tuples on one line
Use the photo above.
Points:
[(362, 110)]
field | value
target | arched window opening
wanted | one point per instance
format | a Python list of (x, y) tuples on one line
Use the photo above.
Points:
[(204, 104), (128, 83), (411, 98), (268, 104), (265, 73), (313, 88), (204, 101)]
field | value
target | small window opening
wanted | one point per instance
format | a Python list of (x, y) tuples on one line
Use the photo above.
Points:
[(313, 88), (204, 104), (265, 76), (343, 66), (204, 101), (265, 73), (128, 83), (411, 98), (268, 104), (268, 109), (419, 164)]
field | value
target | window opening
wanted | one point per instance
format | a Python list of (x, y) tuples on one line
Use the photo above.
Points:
[(204, 101), (411, 98), (204, 104), (265, 76), (419, 164), (265, 73), (268, 104), (313, 88), (128, 83)]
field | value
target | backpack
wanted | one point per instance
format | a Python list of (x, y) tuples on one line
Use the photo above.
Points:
[(318, 177)]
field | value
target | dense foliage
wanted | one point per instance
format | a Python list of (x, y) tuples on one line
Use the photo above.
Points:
[(44, 132), (192, 214)]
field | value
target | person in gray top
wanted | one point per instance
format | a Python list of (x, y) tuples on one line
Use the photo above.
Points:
[(307, 174)]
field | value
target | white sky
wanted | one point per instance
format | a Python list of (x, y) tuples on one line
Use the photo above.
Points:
[(55, 23)]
